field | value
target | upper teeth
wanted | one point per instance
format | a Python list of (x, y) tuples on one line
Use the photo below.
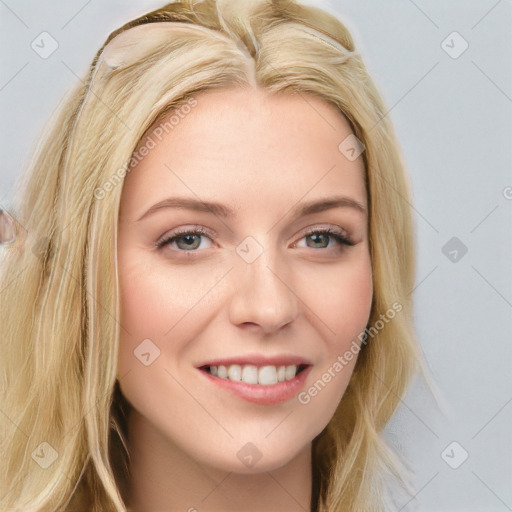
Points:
[(250, 374)]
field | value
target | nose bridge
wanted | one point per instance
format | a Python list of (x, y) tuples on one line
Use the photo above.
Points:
[(263, 292)]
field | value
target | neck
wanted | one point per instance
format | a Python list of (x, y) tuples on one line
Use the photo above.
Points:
[(165, 479)]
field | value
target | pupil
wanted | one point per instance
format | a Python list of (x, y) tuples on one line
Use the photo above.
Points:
[(189, 240), (315, 237)]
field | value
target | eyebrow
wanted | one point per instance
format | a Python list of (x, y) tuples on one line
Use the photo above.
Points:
[(220, 210)]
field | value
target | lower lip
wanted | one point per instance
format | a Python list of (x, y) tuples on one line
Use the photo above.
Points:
[(264, 395)]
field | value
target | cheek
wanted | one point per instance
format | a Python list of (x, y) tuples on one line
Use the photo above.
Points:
[(142, 307), (350, 316), (344, 307), (146, 311), (155, 297), (156, 303), (341, 300)]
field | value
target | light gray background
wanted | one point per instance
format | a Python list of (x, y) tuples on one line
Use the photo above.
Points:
[(453, 117)]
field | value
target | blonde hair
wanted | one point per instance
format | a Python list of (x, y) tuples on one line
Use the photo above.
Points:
[(60, 323)]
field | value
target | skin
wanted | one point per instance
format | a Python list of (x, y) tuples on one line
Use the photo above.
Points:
[(310, 296)]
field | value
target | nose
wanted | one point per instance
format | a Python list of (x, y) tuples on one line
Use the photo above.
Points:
[(263, 295)]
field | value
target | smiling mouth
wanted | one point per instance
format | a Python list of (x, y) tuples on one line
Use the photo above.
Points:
[(257, 375)]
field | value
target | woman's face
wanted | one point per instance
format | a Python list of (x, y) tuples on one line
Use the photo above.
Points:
[(258, 288)]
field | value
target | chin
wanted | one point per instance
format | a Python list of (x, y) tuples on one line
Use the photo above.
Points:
[(251, 458)]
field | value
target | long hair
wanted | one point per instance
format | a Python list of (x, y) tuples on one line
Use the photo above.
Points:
[(64, 440)]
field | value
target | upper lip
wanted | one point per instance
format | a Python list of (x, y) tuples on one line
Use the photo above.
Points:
[(257, 360)]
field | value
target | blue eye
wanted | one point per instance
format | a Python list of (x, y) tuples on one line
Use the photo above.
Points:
[(189, 240), (189, 236), (325, 233)]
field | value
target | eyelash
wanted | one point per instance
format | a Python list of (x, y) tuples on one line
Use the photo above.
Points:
[(335, 233)]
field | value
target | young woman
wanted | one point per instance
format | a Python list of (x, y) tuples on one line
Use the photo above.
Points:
[(213, 274)]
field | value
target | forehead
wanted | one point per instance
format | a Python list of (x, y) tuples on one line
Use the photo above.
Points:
[(235, 141)]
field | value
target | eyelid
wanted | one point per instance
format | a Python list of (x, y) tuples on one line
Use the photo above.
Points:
[(327, 228), (338, 233), (183, 230)]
